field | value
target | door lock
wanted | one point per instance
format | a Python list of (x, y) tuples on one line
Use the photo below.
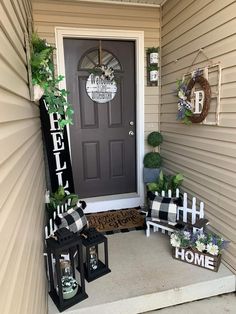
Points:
[(131, 122), (131, 133)]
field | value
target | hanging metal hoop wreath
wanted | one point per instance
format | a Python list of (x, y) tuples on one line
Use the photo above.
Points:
[(197, 118)]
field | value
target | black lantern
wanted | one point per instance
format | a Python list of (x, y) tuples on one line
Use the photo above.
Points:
[(93, 266), (65, 290)]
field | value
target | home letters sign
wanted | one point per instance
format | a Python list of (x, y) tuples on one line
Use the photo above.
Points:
[(197, 258), (57, 148)]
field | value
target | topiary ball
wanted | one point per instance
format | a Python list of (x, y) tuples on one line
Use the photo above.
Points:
[(152, 160), (154, 139)]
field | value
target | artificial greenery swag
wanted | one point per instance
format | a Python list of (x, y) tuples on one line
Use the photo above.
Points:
[(153, 49), (184, 105), (43, 75), (106, 73)]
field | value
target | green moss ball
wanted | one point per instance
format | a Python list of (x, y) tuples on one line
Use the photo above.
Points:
[(154, 139), (152, 160)]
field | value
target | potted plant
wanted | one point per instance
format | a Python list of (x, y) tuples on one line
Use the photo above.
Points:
[(153, 53), (166, 182), (152, 160), (202, 249), (60, 199), (45, 83), (153, 72)]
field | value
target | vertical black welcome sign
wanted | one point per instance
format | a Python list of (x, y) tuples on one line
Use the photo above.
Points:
[(57, 148)]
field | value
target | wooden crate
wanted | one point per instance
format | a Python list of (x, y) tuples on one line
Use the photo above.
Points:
[(197, 258)]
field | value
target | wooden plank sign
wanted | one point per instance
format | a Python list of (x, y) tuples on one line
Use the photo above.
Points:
[(57, 149), (197, 258)]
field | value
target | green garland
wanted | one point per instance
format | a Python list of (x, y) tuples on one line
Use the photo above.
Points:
[(42, 69)]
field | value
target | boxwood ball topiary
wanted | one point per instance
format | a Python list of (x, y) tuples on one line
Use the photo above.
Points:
[(152, 160), (154, 139)]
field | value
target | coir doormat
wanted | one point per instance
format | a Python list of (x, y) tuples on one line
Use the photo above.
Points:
[(113, 221)]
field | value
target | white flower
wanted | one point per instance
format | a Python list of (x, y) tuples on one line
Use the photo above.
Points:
[(200, 246), (212, 249), (181, 94), (201, 236), (187, 235), (174, 240)]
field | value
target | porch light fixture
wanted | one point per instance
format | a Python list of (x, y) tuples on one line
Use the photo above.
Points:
[(65, 290), (93, 266)]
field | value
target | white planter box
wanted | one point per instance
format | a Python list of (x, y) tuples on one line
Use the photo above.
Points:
[(197, 258), (38, 92), (153, 59), (153, 76)]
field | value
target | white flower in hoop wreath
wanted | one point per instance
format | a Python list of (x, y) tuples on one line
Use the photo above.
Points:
[(101, 86)]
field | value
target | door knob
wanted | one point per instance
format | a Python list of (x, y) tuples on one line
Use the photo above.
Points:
[(131, 133), (131, 122)]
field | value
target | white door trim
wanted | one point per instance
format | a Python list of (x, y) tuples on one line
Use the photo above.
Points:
[(122, 200)]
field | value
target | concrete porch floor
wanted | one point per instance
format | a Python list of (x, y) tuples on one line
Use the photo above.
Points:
[(145, 277)]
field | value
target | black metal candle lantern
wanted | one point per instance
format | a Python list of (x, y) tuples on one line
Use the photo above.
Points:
[(93, 266), (65, 290)]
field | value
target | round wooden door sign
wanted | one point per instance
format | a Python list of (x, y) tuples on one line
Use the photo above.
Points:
[(100, 89)]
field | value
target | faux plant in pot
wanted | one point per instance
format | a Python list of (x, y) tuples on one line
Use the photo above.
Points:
[(45, 83), (152, 161), (166, 182), (153, 72), (60, 198), (153, 53)]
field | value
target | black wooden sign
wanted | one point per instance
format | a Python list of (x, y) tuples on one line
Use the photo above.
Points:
[(57, 148)]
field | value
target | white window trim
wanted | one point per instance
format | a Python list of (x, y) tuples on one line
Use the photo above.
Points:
[(122, 200)]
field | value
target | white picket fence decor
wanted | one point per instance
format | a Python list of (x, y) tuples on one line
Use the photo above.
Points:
[(183, 213)]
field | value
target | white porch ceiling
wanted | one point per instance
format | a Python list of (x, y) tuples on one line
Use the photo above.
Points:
[(129, 2)]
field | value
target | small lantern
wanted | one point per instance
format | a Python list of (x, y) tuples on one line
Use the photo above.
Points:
[(93, 266), (65, 290)]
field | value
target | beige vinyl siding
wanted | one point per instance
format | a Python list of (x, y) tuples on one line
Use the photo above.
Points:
[(22, 273), (206, 155), (49, 14)]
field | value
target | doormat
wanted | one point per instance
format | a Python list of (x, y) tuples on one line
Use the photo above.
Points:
[(114, 221)]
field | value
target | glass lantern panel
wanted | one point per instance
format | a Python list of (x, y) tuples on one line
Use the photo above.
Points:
[(93, 258)]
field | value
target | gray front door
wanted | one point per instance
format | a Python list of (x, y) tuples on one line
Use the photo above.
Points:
[(102, 138)]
